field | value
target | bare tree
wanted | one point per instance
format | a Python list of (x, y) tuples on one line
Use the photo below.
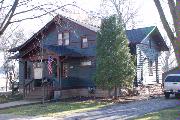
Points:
[(14, 11), (174, 36), (9, 65), (124, 10)]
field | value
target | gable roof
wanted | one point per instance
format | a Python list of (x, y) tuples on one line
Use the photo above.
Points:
[(134, 35), (137, 35)]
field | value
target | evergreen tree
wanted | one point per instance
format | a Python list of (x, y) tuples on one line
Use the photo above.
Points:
[(115, 67)]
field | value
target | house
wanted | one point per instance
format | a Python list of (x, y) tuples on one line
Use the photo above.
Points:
[(61, 58)]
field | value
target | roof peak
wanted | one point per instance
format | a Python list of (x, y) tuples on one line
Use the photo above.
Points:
[(142, 28)]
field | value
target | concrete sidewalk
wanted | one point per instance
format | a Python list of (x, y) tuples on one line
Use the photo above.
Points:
[(17, 103)]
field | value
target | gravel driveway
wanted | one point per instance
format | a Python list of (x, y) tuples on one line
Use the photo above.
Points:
[(118, 111)]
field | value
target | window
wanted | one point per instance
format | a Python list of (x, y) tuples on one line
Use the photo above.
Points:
[(86, 63), (150, 68), (172, 79), (84, 42), (63, 38), (66, 38), (60, 39)]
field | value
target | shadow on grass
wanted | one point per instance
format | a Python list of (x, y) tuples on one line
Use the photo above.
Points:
[(167, 114), (49, 109)]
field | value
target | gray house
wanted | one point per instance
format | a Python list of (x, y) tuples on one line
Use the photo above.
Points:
[(62, 57)]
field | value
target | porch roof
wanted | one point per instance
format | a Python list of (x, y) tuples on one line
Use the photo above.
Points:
[(16, 56), (63, 51)]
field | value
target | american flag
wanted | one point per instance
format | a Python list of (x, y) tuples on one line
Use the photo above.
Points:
[(50, 60)]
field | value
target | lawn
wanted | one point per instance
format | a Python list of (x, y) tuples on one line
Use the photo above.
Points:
[(168, 114), (55, 108)]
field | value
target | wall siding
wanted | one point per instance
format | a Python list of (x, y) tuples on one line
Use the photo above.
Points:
[(144, 54)]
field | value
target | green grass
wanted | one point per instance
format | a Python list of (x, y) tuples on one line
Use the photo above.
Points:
[(167, 114), (54, 109), (4, 98)]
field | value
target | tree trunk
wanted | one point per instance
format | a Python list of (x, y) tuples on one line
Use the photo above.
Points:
[(115, 92), (174, 37), (177, 49)]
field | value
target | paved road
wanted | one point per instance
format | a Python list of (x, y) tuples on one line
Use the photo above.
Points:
[(121, 111)]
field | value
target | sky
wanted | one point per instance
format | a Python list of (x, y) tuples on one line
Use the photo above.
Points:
[(147, 14)]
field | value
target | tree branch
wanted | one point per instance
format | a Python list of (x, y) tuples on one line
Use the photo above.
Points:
[(19, 4), (3, 28), (31, 9), (166, 26), (47, 13), (172, 8)]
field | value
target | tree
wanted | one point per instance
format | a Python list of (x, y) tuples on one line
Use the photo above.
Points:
[(124, 9), (9, 65), (174, 36), (19, 10), (115, 67)]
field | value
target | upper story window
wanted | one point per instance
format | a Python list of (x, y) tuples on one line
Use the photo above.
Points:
[(84, 42), (63, 38), (66, 38), (60, 39)]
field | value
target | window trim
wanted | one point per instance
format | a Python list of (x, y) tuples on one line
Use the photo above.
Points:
[(63, 40), (60, 39), (82, 37)]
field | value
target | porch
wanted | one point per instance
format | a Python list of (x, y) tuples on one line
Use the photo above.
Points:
[(70, 70)]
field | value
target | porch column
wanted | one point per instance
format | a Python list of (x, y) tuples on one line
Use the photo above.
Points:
[(59, 73), (157, 73)]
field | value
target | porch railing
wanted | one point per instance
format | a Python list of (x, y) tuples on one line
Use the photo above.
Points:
[(48, 88), (47, 91), (28, 87)]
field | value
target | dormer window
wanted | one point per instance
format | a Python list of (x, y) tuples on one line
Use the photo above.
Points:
[(84, 42), (63, 38)]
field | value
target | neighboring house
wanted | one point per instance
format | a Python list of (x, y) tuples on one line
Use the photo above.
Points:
[(70, 48), (147, 43)]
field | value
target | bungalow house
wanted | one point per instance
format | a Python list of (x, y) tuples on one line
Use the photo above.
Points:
[(61, 57)]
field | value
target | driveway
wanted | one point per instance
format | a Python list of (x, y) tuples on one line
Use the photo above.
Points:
[(118, 111), (127, 111)]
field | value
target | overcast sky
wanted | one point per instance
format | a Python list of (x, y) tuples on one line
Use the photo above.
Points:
[(147, 14)]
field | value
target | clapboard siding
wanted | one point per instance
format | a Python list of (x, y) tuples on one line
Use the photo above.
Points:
[(145, 53)]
